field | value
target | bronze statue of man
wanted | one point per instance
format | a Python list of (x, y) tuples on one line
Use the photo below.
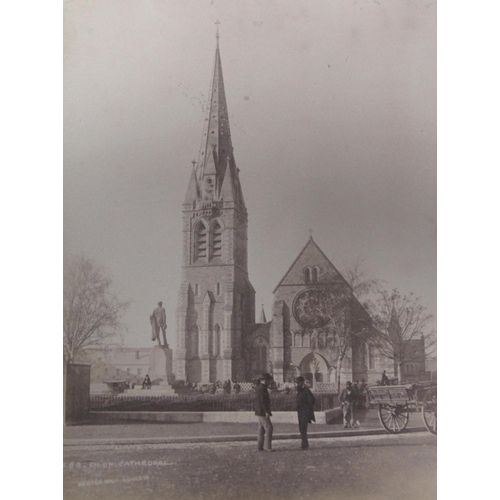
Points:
[(159, 322)]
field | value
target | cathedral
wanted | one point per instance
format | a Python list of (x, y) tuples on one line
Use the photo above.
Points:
[(217, 337)]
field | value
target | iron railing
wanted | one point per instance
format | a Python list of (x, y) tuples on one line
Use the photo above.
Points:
[(202, 402)]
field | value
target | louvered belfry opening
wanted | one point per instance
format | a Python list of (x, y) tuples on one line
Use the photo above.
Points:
[(200, 242), (216, 241)]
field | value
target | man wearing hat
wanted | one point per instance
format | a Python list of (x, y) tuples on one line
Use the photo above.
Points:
[(305, 409), (347, 398), (263, 412)]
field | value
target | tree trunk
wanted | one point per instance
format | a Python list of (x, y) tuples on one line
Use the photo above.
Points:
[(337, 372), (400, 373)]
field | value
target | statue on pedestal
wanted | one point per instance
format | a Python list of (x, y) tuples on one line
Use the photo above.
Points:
[(159, 322)]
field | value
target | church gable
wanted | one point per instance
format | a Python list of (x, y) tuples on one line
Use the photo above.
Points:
[(311, 266)]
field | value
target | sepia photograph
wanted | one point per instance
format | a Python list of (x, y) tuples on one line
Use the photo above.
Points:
[(250, 250)]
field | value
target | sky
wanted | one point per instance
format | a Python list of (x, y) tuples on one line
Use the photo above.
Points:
[(332, 109)]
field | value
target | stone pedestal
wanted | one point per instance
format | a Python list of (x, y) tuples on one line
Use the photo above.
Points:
[(160, 367)]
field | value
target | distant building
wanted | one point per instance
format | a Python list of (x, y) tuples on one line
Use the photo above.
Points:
[(414, 365), (119, 363)]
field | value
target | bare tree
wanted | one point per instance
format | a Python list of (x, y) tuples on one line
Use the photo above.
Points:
[(340, 324), (338, 316), (349, 324), (361, 281), (91, 314), (401, 321)]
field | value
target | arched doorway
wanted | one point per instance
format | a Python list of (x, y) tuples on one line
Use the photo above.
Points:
[(260, 356), (314, 368)]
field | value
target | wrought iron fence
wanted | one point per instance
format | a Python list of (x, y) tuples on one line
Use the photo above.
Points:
[(202, 402)]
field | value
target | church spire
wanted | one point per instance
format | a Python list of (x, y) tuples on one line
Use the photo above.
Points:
[(263, 315), (216, 152)]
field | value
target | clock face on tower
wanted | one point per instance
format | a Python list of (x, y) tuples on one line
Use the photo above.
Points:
[(309, 308)]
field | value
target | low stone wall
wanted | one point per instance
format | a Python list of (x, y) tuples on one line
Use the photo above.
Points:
[(241, 417)]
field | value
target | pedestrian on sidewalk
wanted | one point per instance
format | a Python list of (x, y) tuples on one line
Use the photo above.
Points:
[(305, 409), (263, 412), (347, 398)]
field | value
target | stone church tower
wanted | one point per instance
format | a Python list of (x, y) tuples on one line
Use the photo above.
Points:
[(216, 298)]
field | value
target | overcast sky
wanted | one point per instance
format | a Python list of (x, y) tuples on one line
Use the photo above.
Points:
[(332, 108)]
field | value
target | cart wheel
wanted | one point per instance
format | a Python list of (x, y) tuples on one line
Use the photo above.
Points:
[(429, 410), (394, 419)]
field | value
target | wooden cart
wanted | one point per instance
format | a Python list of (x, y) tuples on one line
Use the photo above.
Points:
[(395, 402)]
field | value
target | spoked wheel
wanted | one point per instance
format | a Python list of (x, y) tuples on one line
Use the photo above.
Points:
[(393, 418), (429, 410)]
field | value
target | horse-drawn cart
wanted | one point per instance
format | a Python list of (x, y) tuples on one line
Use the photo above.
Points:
[(395, 402)]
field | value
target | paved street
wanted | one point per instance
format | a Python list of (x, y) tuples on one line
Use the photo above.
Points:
[(371, 467), (101, 429)]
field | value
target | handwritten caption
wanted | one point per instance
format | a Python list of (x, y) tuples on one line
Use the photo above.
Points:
[(99, 482)]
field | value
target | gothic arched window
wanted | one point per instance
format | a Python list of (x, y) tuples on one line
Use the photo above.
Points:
[(371, 357), (200, 242), (307, 275), (314, 340), (321, 341), (217, 341), (216, 237), (218, 288), (306, 340), (259, 356), (314, 275), (193, 341)]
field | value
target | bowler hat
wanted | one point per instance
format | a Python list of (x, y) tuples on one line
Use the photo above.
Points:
[(266, 376), (300, 379)]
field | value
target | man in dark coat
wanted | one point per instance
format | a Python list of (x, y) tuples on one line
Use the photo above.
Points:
[(305, 409), (263, 412), (347, 398)]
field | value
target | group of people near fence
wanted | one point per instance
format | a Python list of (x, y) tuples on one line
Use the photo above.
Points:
[(354, 396), (227, 387)]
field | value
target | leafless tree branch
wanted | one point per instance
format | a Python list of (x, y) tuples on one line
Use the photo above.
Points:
[(91, 312)]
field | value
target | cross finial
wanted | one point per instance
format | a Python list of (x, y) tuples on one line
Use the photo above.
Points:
[(194, 163), (217, 24)]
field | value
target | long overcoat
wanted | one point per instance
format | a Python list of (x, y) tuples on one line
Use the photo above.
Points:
[(305, 403)]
